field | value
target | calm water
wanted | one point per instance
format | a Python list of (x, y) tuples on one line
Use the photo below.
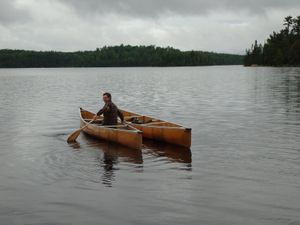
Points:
[(243, 167)]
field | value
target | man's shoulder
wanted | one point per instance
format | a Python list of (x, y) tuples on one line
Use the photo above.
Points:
[(113, 104)]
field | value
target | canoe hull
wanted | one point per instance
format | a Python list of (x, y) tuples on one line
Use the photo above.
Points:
[(130, 138), (177, 136)]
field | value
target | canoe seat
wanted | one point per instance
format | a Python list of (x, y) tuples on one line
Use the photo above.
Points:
[(88, 120), (130, 117)]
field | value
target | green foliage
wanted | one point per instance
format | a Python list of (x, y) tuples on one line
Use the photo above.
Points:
[(282, 48), (123, 55)]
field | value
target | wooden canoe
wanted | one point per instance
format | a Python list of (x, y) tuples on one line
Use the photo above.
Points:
[(122, 134), (160, 130)]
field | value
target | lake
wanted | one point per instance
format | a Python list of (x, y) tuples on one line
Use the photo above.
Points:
[(243, 166)]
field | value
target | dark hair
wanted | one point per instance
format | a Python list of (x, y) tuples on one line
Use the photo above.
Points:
[(107, 94)]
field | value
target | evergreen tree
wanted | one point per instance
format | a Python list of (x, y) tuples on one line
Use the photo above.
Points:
[(281, 48)]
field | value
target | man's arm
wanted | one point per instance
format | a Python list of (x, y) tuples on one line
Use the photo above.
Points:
[(101, 111), (106, 108)]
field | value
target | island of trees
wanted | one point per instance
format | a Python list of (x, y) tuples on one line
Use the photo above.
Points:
[(281, 48), (115, 56)]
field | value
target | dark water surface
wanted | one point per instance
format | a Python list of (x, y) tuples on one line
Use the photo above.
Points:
[(243, 167)]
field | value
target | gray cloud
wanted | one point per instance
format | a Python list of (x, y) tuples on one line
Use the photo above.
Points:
[(10, 12), (69, 25), (154, 8)]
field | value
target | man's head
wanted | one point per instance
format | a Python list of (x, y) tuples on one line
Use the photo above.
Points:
[(106, 97)]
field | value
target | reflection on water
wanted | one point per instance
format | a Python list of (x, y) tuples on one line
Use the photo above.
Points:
[(108, 162), (171, 152), (114, 154)]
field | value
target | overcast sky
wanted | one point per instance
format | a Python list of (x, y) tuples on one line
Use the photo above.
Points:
[(213, 25)]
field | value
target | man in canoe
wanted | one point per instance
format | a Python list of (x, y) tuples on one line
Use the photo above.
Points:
[(110, 111)]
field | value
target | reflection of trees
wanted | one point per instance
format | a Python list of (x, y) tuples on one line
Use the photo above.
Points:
[(287, 88), (281, 84)]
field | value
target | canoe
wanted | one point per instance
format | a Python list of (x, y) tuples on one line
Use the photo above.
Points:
[(159, 130), (122, 134)]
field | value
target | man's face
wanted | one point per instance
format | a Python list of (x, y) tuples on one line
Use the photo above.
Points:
[(105, 98)]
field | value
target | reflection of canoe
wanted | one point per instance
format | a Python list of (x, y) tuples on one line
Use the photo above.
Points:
[(159, 129), (171, 152), (119, 152), (122, 153), (109, 155), (121, 134)]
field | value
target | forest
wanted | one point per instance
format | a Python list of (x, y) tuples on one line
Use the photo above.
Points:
[(116, 56), (280, 49)]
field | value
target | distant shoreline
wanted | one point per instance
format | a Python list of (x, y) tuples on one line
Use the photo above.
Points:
[(274, 66), (89, 67), (78, 67), (116, 56)]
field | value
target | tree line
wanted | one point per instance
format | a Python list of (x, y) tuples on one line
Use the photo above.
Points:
[(281, 48), (116, 56)]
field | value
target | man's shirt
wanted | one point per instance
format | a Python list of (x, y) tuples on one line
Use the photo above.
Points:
[(110, 113)]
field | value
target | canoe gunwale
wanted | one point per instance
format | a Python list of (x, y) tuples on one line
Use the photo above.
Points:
[(103, 127), (111, 128), (164, 127)]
